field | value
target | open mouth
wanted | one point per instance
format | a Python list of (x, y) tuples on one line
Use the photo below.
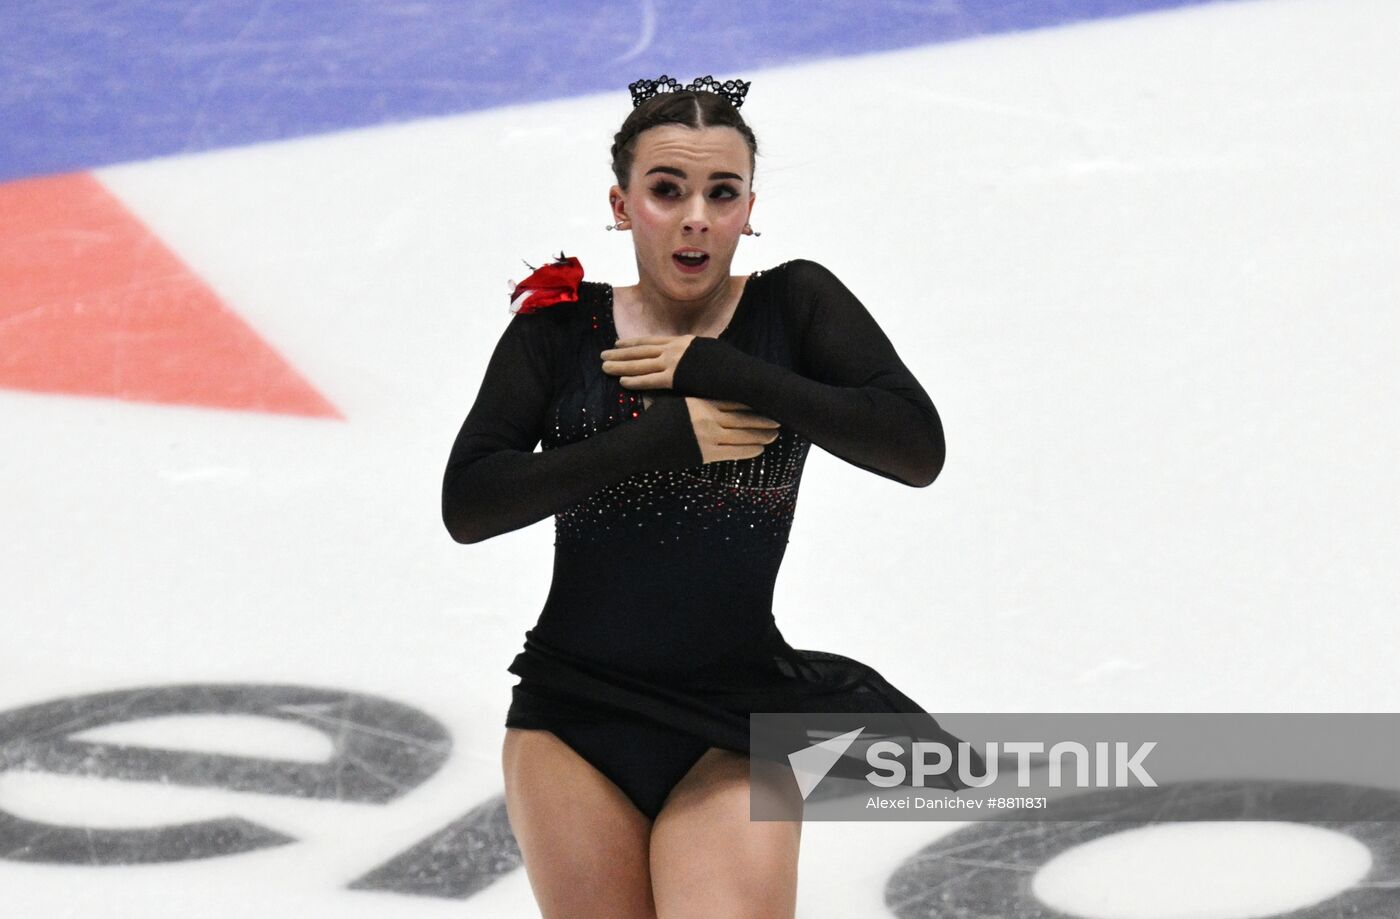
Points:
[(690, 260)]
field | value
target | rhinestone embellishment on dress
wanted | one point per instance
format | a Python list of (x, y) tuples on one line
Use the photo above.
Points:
[(750, 500)]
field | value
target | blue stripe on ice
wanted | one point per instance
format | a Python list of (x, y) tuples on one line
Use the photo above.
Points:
[(85, 83)]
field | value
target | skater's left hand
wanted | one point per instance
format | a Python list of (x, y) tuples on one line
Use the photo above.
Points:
[(648, 362)]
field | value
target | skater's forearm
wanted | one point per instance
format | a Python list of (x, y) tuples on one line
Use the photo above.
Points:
[(491, 486), (883, 427)]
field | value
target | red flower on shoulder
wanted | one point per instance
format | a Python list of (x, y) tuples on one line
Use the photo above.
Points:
[(554, 283)]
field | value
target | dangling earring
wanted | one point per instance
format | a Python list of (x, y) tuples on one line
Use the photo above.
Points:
[(752, 230), (615, 226)]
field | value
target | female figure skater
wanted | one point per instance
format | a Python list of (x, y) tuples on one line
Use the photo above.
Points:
[(675, 417)]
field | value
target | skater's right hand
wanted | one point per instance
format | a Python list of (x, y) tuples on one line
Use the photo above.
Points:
[(729, 430)]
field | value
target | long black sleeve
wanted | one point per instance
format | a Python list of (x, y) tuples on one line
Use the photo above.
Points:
[(495, 482), (857, 400)]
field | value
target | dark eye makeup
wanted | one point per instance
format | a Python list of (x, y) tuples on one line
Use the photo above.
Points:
[(666, 189)]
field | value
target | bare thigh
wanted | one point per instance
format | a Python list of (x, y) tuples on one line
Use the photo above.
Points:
[(584, 842), (709, 859)]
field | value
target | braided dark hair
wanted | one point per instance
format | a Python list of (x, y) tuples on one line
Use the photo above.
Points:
[(687, 108)]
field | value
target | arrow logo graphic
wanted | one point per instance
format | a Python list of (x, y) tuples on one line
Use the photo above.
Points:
[(811, 765)]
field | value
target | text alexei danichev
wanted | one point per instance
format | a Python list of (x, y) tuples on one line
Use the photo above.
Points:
[(953, 802)]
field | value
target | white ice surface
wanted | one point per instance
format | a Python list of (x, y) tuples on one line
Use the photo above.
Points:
[(1145, 268)]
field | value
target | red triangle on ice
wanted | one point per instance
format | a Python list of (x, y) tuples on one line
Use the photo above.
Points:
[(93, 304)]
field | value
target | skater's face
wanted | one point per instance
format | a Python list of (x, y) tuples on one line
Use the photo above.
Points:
[(689, 189)]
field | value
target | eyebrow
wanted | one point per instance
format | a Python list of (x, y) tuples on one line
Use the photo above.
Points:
[(672, 170)]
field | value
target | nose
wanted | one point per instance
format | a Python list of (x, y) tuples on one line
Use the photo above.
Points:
[(695, 219)]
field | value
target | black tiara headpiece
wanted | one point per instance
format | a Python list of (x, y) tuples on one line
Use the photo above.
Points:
[(733, 90)]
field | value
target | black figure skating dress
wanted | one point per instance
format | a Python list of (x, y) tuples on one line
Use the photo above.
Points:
[(657, 639)]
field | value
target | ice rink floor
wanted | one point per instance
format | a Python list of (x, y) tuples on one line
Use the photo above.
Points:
[(1144, 260)]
